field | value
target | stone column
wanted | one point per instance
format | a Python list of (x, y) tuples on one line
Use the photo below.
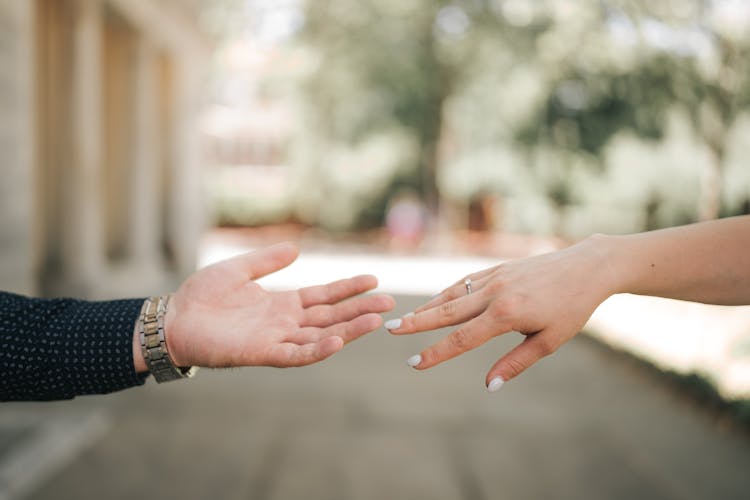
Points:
[(188, 210), (145, 188), (82, 249), (16, 139)]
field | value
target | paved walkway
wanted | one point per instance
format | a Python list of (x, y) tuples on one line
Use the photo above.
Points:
[(584, 424)]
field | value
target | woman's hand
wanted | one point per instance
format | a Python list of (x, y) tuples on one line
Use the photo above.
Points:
[(220, 317), (548, 298)]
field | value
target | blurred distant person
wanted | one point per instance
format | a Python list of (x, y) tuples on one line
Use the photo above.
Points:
[(482, 210), (405, 220), (550, 297), (219, 317)]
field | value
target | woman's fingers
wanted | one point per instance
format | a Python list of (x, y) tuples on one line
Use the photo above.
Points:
[(473, 334), (446, 314), (533, 348), (327, 315), (290, 354), (459, 289), (337, 291)]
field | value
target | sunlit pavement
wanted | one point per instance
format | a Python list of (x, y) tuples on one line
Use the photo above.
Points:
[(585, 423)]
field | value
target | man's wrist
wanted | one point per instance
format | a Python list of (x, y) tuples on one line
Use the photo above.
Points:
[(152, 349), (169, 332), (171, 337)]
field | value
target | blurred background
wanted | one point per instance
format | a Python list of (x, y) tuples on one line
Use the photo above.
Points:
[(418, 140)]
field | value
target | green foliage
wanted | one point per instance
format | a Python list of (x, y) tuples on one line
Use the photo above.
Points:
[(586, 109), (588, 104), (376, 71), (535, 100)]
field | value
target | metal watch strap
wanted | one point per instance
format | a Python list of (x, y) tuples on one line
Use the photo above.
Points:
[(154, 344)]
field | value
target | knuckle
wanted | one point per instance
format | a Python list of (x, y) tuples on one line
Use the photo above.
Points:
[(499, 309), (448, 309), (460, 339), (324, 293), (495, 286), (345, 330), (359, 308), (507, 306), (545, 346), (514, 368)]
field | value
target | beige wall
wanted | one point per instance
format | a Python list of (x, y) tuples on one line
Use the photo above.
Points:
[(99, 174), (16, 121)]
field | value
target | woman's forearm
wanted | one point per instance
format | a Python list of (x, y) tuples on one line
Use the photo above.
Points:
[(706, 262), (550, 297)]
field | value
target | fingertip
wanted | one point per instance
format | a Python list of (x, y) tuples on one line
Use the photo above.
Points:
[(335, 342), (287, 248), (498, 375), (361, 326), (398, 326), (372, 321), (421, 361), (414, 361), (329, 346), (494, 383), (388, 303), (369, 281), (277, 256)]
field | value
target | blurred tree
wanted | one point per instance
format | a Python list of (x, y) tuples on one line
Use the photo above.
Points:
[(684, 60), (411, 87), (395, 63), (714, 105), (377, 70)]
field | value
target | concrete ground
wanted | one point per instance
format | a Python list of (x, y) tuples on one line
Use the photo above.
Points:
[(585, 423)]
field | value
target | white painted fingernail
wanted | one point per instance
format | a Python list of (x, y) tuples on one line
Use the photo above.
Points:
[(495, 384), (408, 315), (393, 324), (414, 360)]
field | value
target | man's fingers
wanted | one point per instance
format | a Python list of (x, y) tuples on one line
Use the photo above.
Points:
[(289, 354), (327, 315), (473, 334), (446, 314), (347, 331), (355, 328), (337, 291), (533, 348), (261, 262)]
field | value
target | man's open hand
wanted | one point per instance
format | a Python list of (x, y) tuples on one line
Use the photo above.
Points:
[(220, 317)]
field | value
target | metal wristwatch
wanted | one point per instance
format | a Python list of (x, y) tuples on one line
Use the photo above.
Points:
[(154, 344)]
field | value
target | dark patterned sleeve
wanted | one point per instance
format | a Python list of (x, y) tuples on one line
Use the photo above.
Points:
[(62, 348)]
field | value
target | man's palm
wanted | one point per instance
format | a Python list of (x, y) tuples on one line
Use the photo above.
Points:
[(220, 317)]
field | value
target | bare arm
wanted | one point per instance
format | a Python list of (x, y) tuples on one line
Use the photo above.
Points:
[(707, 262), (550, 297)]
